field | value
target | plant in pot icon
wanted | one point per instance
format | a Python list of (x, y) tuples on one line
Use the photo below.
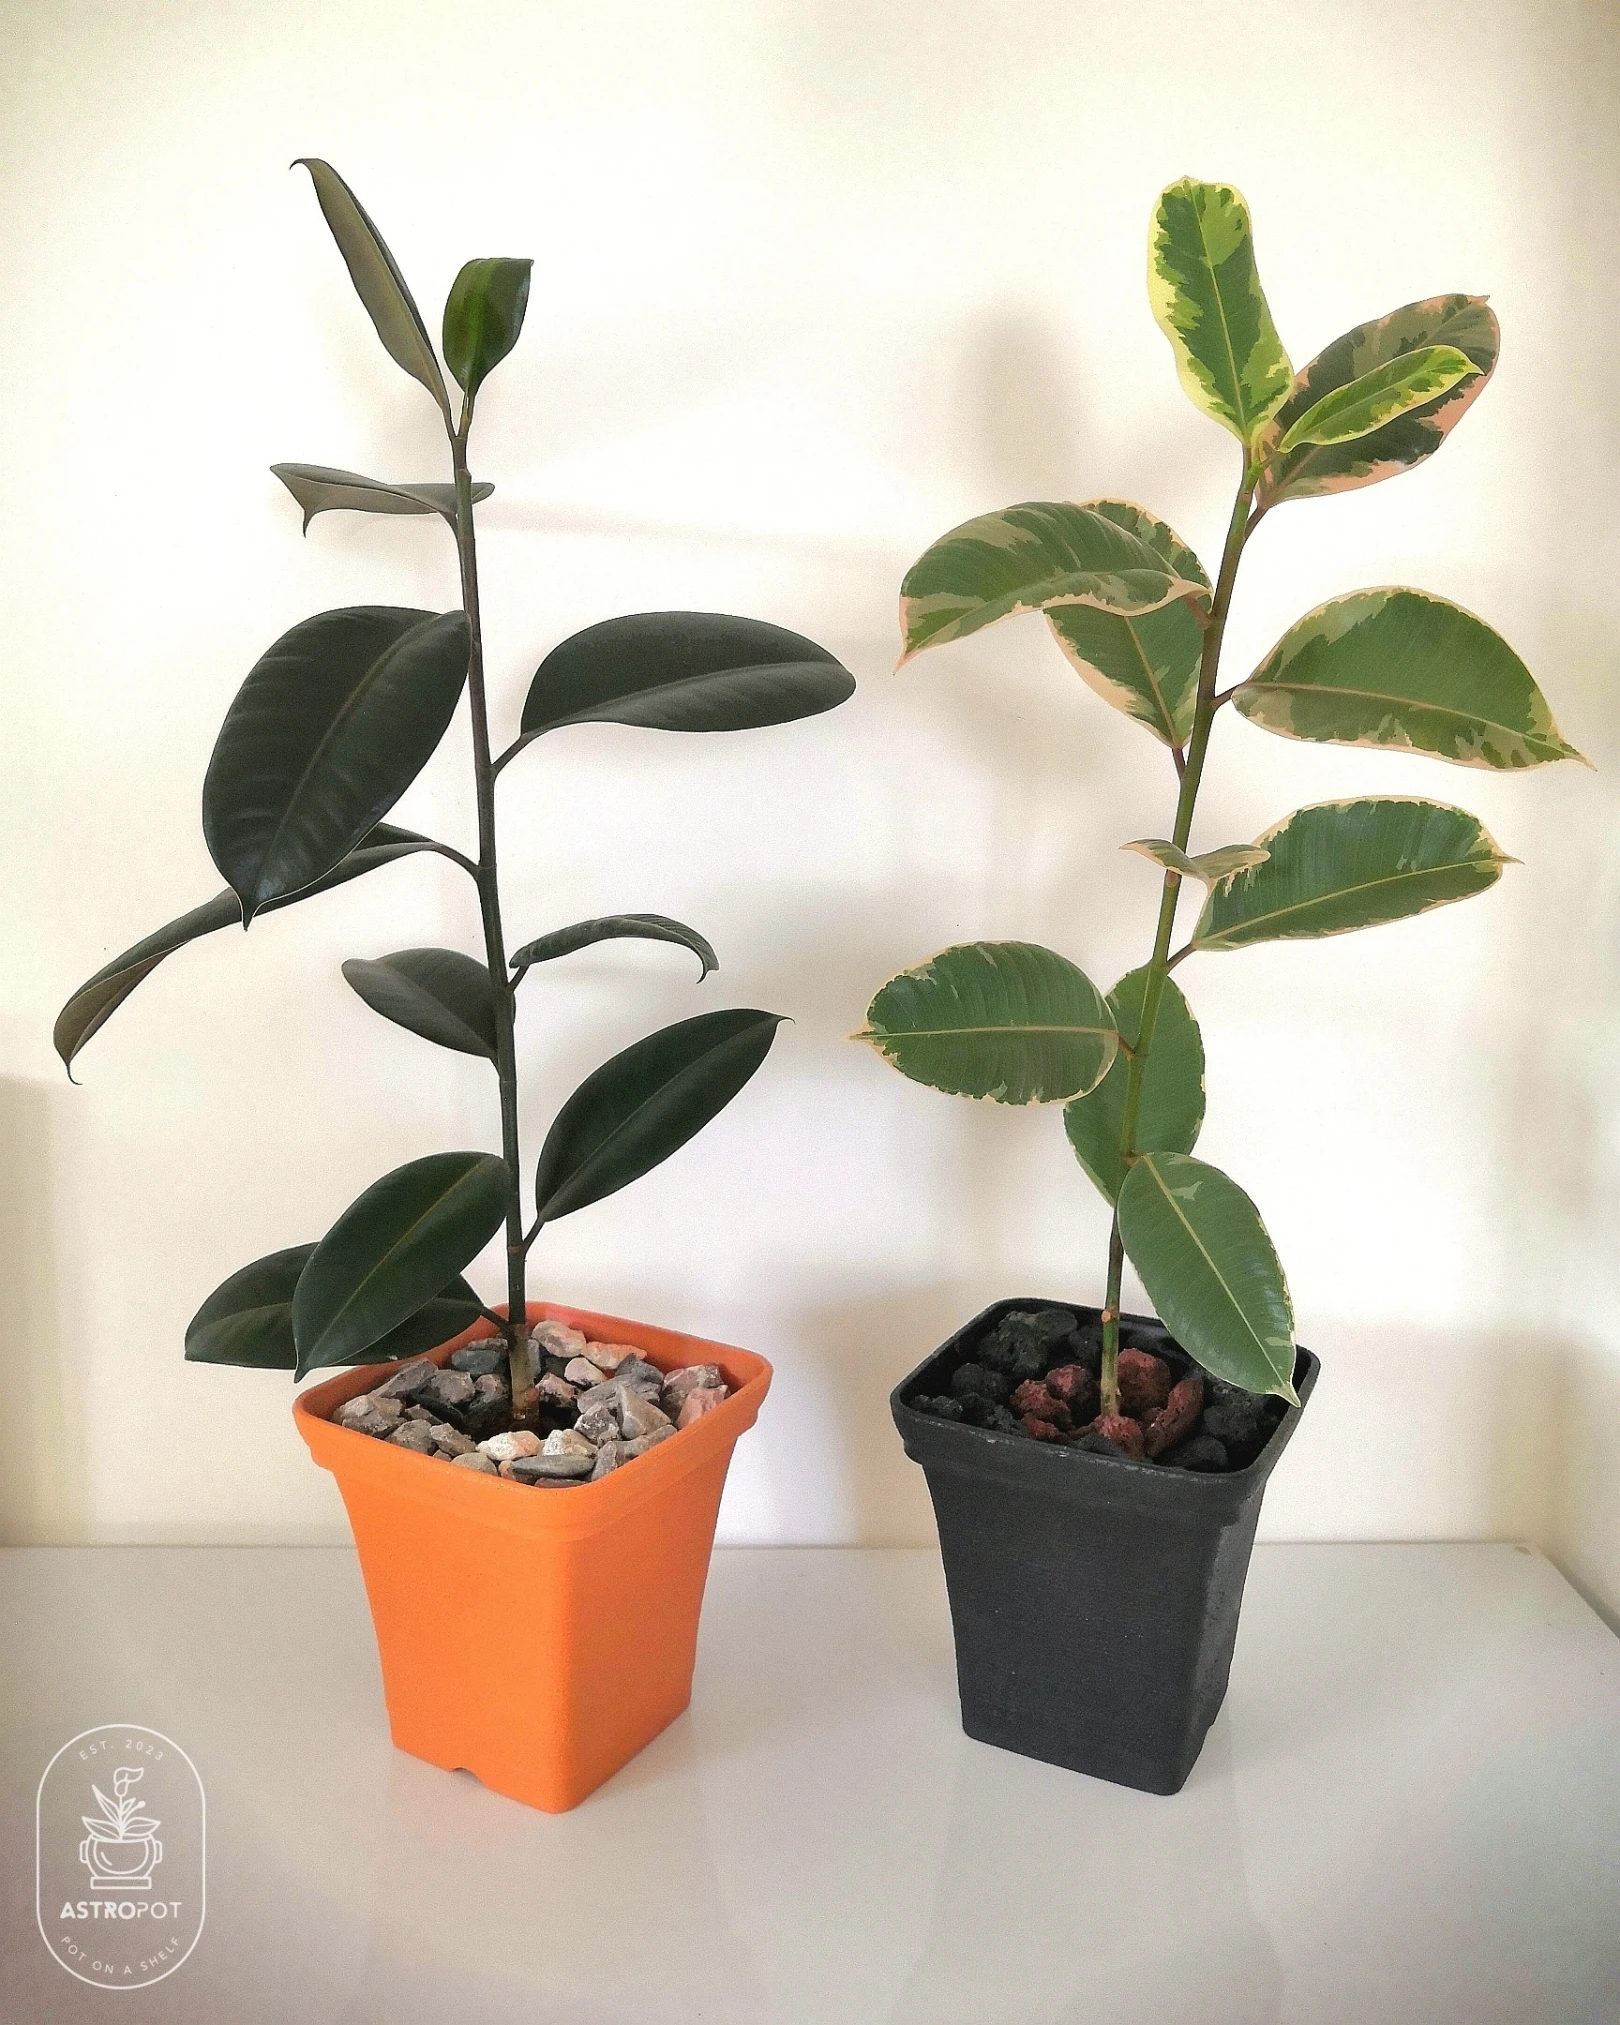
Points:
[(122, 1850)]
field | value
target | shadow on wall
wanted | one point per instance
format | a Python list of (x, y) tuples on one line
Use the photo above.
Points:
[(41, 1482)]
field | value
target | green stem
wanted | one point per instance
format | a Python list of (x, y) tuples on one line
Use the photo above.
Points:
[(1237, 533), (489, 900)]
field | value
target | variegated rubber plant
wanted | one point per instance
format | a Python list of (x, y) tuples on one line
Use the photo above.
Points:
[(330, 728), (1137, 616)]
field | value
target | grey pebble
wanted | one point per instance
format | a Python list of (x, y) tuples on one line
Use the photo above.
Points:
[(414, 1435), (643, 1442), (540, 1469), (478, 1360), (448, 1388), (638, 1415), (407, 1381), (450, 1440), (598, 1423), (475, 1461)]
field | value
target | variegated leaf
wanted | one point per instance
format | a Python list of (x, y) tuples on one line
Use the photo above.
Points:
[(1402, 669), (1379, 396), (1211, 867), (1146, 664), (1170, 1107), (1008, 1021), (1030, 558), (1462, 321), (1207, 299), (1341, 865)]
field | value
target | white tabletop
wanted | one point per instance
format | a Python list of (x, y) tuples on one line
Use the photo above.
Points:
[(1409, 1809)]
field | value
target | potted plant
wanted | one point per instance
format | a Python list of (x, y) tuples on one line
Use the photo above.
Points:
[(525, 1481), (1097, 1476)]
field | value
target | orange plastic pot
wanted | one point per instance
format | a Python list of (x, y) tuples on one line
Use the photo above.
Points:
[(537, 1637)]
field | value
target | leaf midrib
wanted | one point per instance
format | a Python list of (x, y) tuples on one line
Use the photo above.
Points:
[(1239, 406), (1146, 1160), (405, 1235), (1339, 893), (1262, 685)]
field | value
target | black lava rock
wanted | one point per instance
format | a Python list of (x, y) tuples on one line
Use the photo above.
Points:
[(1237, 1419), (1097, 1444), (1022, 1344), (938, 1405), (970, 1378), (1203, 1453)]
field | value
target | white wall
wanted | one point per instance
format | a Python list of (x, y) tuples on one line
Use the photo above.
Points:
[(813, 282)]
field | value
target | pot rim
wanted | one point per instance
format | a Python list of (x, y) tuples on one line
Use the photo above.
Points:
[(570, 1510)]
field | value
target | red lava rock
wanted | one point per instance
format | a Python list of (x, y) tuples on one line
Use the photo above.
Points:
[(1144, 1382), (1043, 1430), (1115, 1427), (1176, 1418), (1031, 1397), (1075, 1386)]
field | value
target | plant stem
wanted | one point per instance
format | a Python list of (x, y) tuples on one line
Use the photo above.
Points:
[(489, 900), (1158, 964)]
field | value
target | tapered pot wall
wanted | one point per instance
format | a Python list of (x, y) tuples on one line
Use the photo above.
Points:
[(537, 1637), (1094, 1599)]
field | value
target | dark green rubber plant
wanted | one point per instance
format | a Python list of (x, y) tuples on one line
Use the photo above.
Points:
[(329, 729), (1138, 618)]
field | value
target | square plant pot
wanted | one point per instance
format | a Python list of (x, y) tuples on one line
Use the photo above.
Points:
[(537, 1636), (1094, 1599)]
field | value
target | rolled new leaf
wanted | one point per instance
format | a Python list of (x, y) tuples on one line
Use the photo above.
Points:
[(645, 1103), (441, 994), (1145, 664), (1337, 866), (1036, 557), (322, 488), (327, 732), (1462, 321), (614, 927), (99, 997), (1008, 1021), (683, 671), (377, 280), (483, 317), (247, 1319), (1388, 391), (1170, 1108), (392, 1250), (1206, 296), (1209, 867), (1210, 1270), (1404, 670)]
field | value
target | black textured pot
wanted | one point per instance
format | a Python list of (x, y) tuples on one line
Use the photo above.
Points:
[(1094, 1599)]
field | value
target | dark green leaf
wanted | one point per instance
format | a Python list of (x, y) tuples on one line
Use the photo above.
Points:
[(377, 280), (611, 927), (1210, 1270), (684, 671), (324, 736), (1401, 669), (1007, 1021), (99, 997), (319, 488), (437, 993), (247, 1320), (483, 316), (1464, 321), (394, 1249), (638, 1108), (1341, 865), (1170, 1110)]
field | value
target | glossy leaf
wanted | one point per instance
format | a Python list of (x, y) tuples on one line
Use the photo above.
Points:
[(1210, 867), (99, 997), (1402, 669), (1388, 391), (614, 927), (437, 993), (392, 1250), (377, 280), (247, 1319), (683, 671), (1007, 1021), (645, 1103), (1210, 1270), (1341, 865), (1147, 664), (1463, 321), (1170, 1110), (324, 736), (1206, 296), (1032, 558), (483, 317), (321, 488)]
